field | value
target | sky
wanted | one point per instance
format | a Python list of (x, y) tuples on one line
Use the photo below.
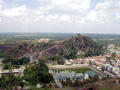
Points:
[(64, 16)]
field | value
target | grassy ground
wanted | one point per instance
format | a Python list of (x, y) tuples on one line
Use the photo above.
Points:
[(55, 89), (76, 70), (79, 70)]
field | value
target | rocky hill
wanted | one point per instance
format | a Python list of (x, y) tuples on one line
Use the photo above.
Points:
[(71, 48)]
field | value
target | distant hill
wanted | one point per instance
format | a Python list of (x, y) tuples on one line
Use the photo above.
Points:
[(78, 45), (84, 45)]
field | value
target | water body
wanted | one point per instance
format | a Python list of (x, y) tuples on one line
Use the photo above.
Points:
[(64, 74)]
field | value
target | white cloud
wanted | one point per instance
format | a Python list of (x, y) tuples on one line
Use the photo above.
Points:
[(72, 4), (100, 14), (104, 5), (67, 6), (0, 20), (61, 11), (68, 11), (1, 1), (14, 12), (118, 16), (97, 17), (61, 14), (76, 11)]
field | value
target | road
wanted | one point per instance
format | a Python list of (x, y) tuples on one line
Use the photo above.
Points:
[(111, 75), (107, 73), (58, 83), (100, 73)]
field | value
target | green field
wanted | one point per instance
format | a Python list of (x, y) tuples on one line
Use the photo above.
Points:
[(76, 70)]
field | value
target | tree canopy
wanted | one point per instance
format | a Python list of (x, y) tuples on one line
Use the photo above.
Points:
[(37, 73), (9, 81), (21, 61)]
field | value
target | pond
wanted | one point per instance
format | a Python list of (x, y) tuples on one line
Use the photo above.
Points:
[(73, 74)]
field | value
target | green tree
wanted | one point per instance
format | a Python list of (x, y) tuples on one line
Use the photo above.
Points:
[(113, 55), (8, 81), (37, 73), (8, 66), (14, 61)]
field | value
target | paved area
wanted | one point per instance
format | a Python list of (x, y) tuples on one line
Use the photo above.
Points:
[(58, 83)]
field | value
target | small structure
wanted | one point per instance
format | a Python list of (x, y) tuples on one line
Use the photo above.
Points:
[(14, 71), (86, 77), (39, 86), (68, 62)]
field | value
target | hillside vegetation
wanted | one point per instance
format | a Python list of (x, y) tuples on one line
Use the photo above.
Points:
[(77, 46)]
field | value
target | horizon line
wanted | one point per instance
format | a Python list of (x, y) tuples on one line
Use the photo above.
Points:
[(58, 33)]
